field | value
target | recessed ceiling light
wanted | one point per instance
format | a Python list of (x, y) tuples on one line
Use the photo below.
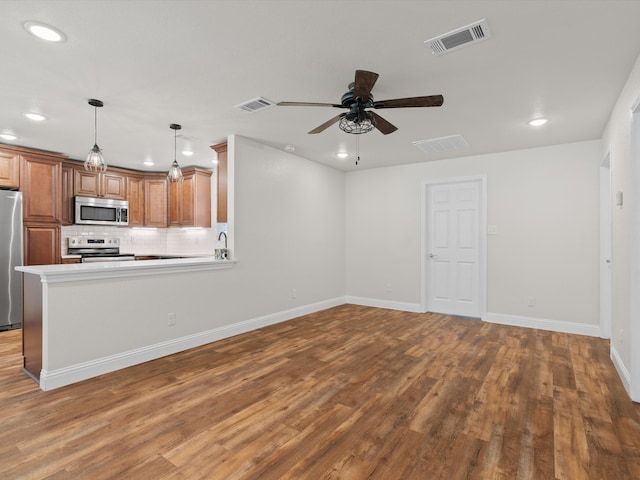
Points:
[(148, 163), (187, 153), (8, 136), (36, 117), (342, 154), (538, 122), (214, 161), (289, 148), (45, 32)]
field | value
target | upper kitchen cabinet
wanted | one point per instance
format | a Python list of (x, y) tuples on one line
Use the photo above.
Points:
[(66, 217), (40, 182), (109, 184), (9, 169), (190, 200), (155, 200), (221, 150), (135, 197)]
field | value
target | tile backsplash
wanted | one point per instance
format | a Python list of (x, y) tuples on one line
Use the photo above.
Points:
[(153, 241)]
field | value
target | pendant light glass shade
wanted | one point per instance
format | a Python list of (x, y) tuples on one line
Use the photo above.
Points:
[(175, 173), (95, 161)]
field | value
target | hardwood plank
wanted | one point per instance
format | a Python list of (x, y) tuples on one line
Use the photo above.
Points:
[(351, 392)]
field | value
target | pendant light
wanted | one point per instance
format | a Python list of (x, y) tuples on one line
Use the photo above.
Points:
[(175, 174), (95, 161)]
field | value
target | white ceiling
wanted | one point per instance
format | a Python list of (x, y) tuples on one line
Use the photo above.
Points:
[(191, 62)]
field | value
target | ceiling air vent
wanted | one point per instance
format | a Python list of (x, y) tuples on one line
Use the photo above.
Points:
[(255, 104), (461, 37), (442, 144)]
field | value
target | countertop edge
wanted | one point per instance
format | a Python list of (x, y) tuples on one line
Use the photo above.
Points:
[(102, 270)]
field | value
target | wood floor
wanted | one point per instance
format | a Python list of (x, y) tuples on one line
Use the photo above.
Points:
[(348, 393)]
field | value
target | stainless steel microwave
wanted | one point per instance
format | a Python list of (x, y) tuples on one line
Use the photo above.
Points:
[(101, 211)]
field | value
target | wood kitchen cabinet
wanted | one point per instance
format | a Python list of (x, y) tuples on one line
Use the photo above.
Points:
[(155, 200), (135, 196), (9, 169), (66, 192), (190, 200), (42, 244), (109, 184), (221, 150), (41, 187)]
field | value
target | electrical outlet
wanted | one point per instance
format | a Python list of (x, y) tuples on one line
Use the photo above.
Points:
[(171, 319), (532, 302), (294, 293), (388, 288)]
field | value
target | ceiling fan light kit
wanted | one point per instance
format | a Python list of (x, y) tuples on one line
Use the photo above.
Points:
[(359, 100), (95, 160)]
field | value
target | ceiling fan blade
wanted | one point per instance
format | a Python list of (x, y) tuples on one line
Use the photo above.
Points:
[(363, 84), (383, 125), (429, 101), (307, 104), (327, 124)]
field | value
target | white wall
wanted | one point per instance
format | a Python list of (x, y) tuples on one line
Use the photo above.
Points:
[(288, 222), (625, 320), (545, 204)]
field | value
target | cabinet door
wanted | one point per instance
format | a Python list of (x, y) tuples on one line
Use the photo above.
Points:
[(175, 203), (9, 169), (66, 216), (135, 196), (41, 244), (190, 200), (40, 182), (196, 195), (155, 202), (113, 185), (87, 184), (221, 149)]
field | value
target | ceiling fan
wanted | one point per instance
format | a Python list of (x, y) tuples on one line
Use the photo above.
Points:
[(358, 100)]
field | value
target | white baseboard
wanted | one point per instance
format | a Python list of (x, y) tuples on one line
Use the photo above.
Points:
[(374, 302), (83, 371), (623, 372), (543, 324)]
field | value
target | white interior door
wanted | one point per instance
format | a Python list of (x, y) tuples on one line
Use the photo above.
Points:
[(453, 248)]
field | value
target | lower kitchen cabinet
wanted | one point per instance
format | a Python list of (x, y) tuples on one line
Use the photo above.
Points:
[(41, 244)]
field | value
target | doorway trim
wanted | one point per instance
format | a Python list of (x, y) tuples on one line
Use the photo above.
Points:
[(606, 305), (482, 240)]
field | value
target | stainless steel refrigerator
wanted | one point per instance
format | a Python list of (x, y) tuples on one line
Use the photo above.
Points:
[(10, 257)]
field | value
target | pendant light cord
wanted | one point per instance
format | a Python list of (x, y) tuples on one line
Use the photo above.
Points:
[(357, 149), (95, 125)]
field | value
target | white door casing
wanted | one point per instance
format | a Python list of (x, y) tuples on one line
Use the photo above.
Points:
[(605, 247), (454, 250)]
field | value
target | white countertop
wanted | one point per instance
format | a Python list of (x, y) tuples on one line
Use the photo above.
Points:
[(101, 270)]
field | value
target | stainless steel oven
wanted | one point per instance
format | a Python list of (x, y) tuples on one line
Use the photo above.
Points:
[(101, 211), (97, 249)]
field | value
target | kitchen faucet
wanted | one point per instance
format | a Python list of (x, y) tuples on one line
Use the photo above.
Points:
[(225, 238)]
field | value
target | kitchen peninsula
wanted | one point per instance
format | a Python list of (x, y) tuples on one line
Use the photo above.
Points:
[(84, 320)]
